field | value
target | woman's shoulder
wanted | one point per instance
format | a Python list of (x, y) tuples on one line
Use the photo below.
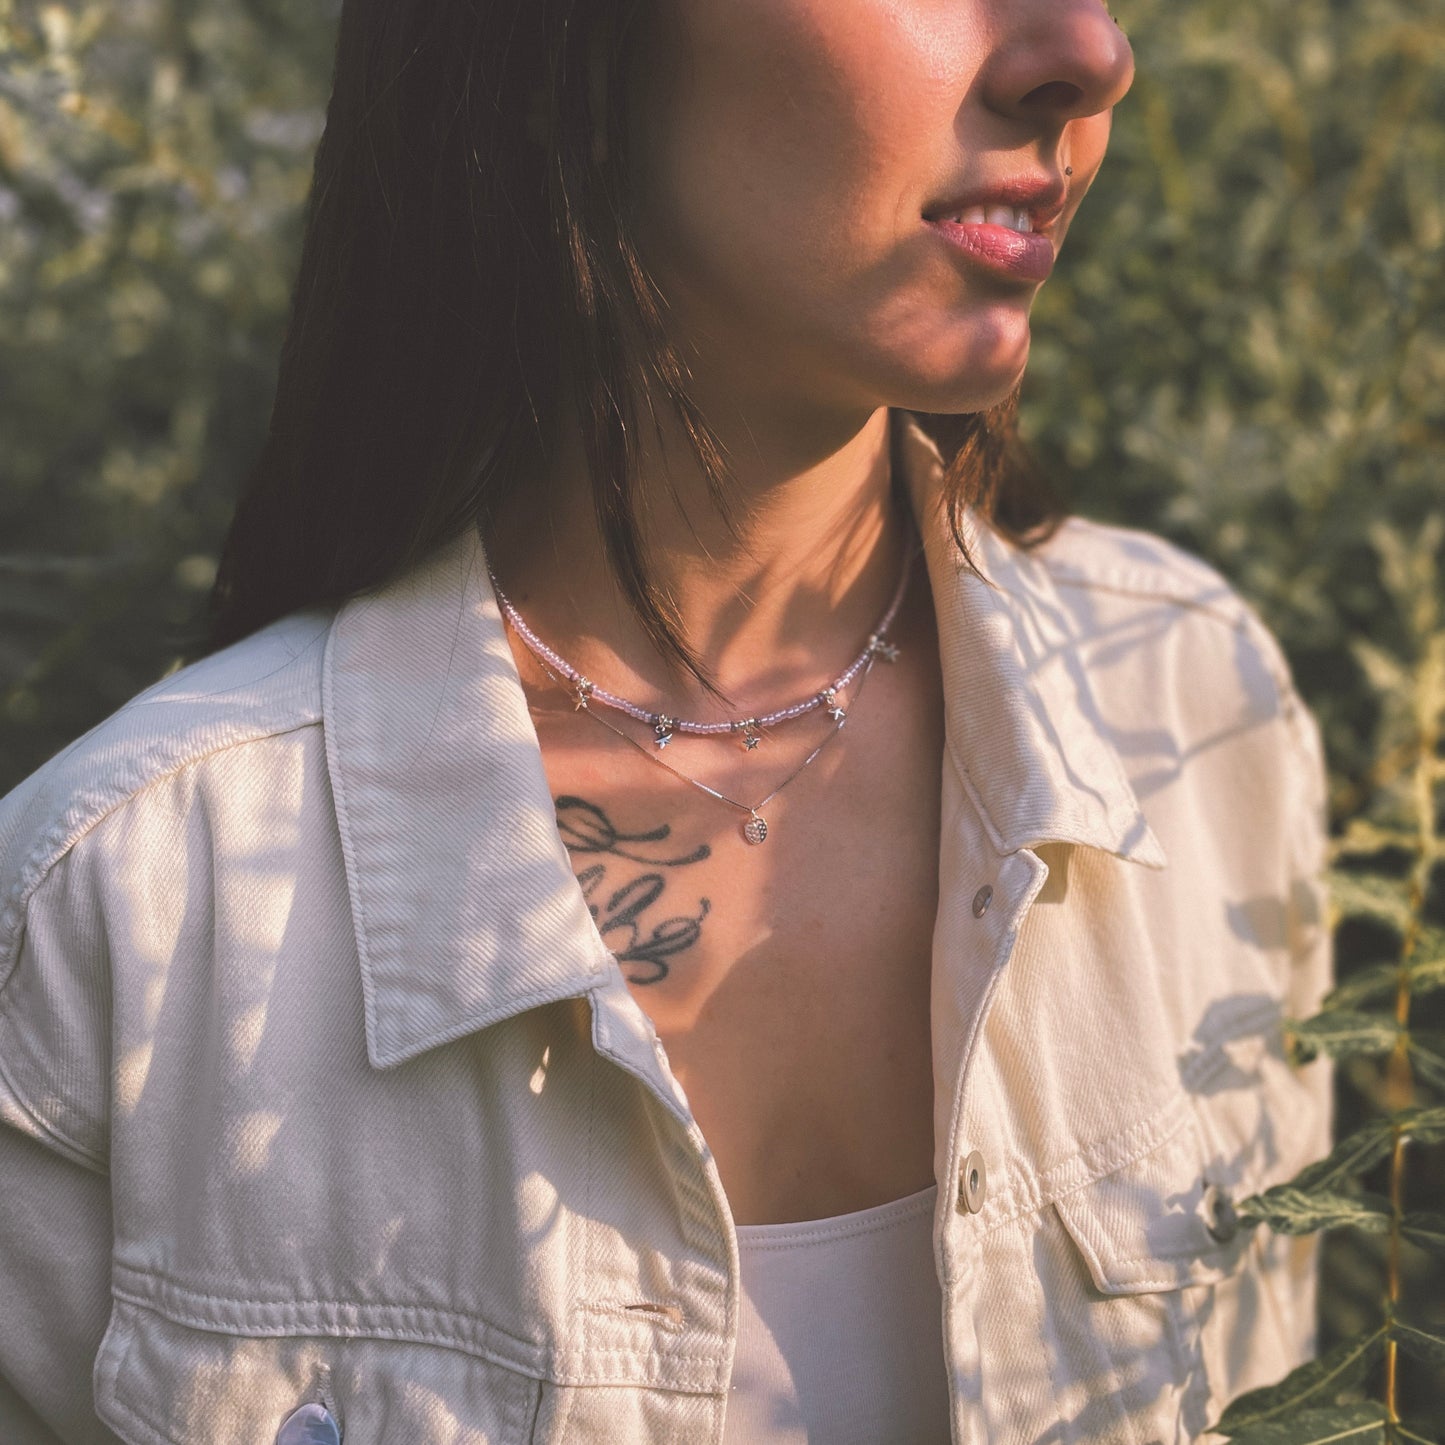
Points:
[(1119, 582), (1104, 556), (120, 827), (1182, 665), (1177, 664), (266, 685)]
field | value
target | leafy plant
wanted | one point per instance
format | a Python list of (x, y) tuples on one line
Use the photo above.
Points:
[(154, 158), (1370, 1021)]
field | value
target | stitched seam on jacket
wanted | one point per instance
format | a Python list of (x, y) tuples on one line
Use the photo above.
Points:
[(170, 1303), (1101, 1159), (530, 1401), (121, 1408), (1161, 1256), (968, 1055), (1232, 612), (540, 1371), (622, 1309), (76, 822), (1176, 576), (1226, 605), (331, 735), (587, 1229)]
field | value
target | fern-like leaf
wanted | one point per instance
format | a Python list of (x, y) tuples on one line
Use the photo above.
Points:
[(1310, 1387), (1425, 1230), (1426, 1346), (1427, 1125), (1427, 1057), (1297, 1211), (1342, 1034), (1354, 1154), (1363, 1424), (1367, 895), (1381, 980)]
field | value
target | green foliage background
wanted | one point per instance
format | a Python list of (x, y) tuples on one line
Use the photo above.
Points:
[(1244, 349)]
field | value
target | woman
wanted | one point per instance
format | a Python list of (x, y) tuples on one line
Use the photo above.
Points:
[(516, 1007)]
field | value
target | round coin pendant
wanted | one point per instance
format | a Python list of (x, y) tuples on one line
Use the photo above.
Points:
[(755, 830)]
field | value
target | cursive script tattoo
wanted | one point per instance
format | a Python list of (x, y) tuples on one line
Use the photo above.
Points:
[(586, 831), (585, 828)]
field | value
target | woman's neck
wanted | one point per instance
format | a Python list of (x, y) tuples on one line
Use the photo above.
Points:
[(785, 597)]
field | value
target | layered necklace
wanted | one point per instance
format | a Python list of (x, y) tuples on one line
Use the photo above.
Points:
[(749, 731)]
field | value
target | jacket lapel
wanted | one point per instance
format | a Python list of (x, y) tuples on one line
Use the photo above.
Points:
[(463, 896), (1021, 721)]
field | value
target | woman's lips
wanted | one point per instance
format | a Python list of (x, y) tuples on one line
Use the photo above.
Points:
[(1019, 255)]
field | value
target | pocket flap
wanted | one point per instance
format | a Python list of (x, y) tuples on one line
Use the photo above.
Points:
[(1166, 1219), (162, 1382), (1146, 1226)]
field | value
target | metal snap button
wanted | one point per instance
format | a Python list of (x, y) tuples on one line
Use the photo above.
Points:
[(972, 1184), (981, 900), (310, 1425), (1220, 1217)]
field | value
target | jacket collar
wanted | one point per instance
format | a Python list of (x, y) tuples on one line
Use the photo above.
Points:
[(463, 896), (1022, 723)]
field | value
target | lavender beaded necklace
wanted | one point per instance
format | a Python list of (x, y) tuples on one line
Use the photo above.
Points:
[(755, 830)]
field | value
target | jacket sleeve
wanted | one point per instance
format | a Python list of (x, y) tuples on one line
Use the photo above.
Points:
[(55, 1213), (1304, 784), (55, 1286)]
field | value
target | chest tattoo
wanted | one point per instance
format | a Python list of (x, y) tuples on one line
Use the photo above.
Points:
[(628, 906)]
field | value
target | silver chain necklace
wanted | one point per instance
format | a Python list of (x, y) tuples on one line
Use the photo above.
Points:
[(755, 829), (665, 726)]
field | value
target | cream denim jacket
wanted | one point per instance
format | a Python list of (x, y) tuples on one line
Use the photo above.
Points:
[(320, 1086)]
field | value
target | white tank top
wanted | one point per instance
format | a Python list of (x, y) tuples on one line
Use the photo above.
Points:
[(841, 1336)]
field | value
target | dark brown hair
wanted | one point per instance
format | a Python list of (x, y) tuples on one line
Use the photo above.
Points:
[(466, 274)]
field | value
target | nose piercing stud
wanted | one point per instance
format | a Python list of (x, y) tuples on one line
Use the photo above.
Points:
[(1068, 170)]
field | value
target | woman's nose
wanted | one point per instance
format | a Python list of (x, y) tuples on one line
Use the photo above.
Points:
[(1057, 60)]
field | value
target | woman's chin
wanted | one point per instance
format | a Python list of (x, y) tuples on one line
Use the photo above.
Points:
[(969, 365), (977, 384)]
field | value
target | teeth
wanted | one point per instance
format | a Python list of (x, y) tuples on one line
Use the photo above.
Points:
[(1009, 216), (1015, 220)]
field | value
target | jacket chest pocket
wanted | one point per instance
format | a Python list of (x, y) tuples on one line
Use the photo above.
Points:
[(1179, 1304), (162, 1382)]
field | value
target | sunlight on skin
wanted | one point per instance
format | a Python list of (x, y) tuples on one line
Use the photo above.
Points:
[(785, 159), (787, 154), (803, 178)]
